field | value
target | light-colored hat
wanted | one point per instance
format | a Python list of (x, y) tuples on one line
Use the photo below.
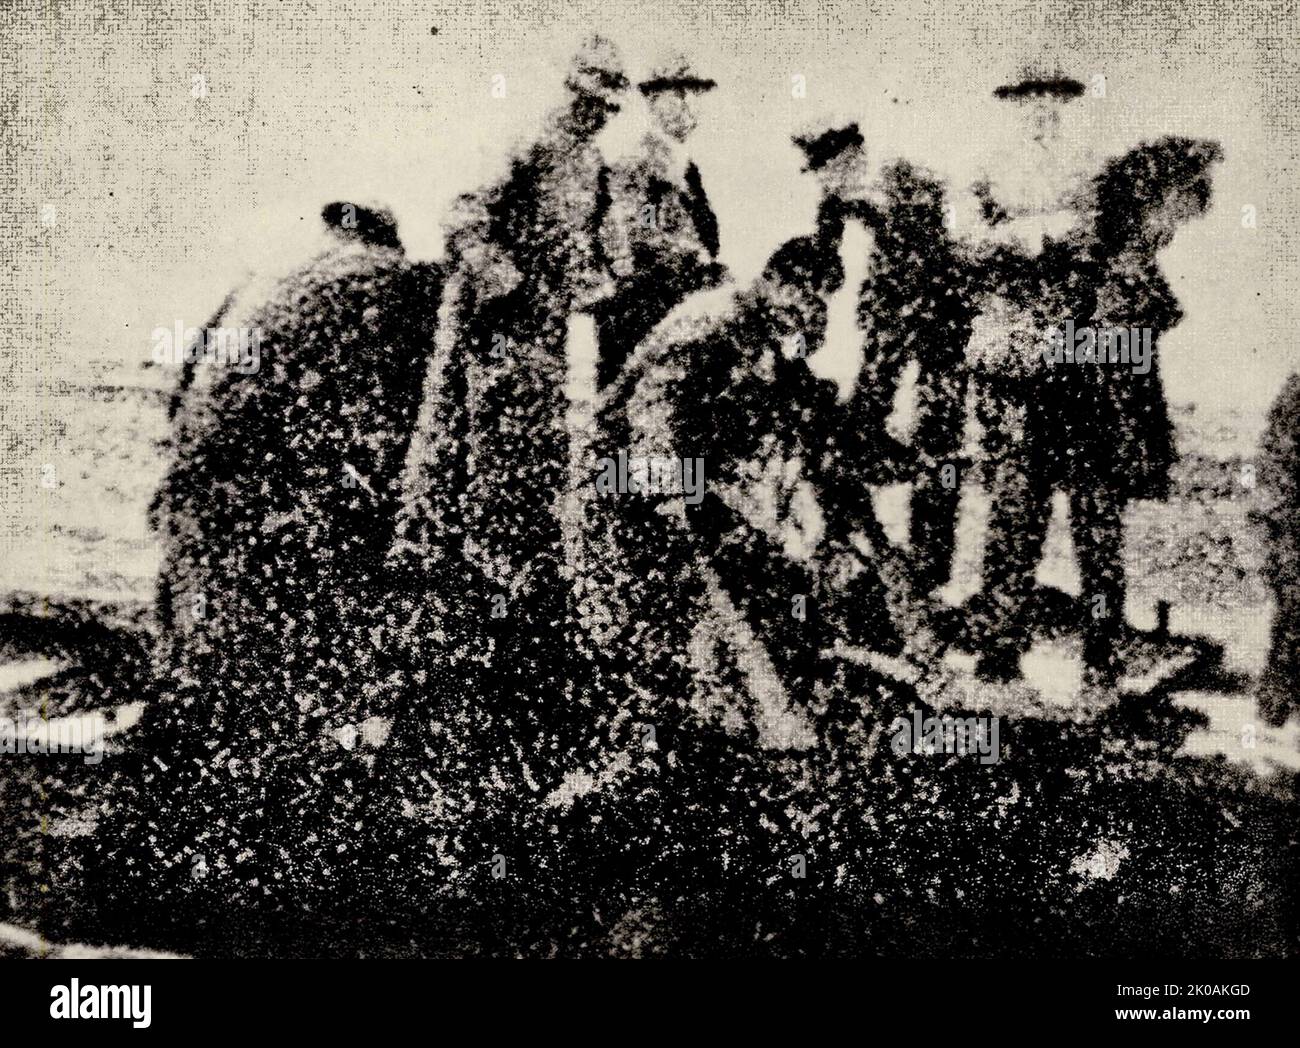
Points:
[(597, 69)]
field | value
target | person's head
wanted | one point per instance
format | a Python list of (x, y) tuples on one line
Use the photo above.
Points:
[(797, 281), (837, 158), (1147, 193), (1040, 102), (353, 222), (672, 91), (1189, 195), (596, 81)]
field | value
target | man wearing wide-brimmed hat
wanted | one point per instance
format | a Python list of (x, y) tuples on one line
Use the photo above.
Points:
[(481, 545), (663, 232), (1066, 244)]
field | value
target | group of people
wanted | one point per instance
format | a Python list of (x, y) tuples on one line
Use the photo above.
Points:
[(392, 596)]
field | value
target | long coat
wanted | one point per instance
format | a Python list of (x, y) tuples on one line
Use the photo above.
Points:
[(916, 305), (1137, 216)]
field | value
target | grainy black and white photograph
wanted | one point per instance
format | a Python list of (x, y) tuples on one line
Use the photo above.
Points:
[(733, 479)]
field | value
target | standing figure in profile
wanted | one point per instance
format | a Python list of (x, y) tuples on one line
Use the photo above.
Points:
[(481, 586), (1065, 249), (662, 229), (847, 449)]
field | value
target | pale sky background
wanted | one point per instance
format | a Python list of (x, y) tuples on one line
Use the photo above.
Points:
[(164, 200)]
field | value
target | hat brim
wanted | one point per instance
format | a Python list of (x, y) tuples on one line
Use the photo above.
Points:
[(820, 150), (659, 84), (602, 79), (1062, 87)]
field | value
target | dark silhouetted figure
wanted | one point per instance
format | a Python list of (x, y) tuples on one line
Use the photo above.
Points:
[(481, 580), (1279, 520), (275, 518), (916, 306)]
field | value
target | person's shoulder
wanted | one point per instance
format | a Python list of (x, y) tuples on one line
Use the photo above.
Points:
[(365, 269), (1168, 155), (347, 286), (650, 155), (631, 174), (657, 369), (1284, 413), (475, 252)]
